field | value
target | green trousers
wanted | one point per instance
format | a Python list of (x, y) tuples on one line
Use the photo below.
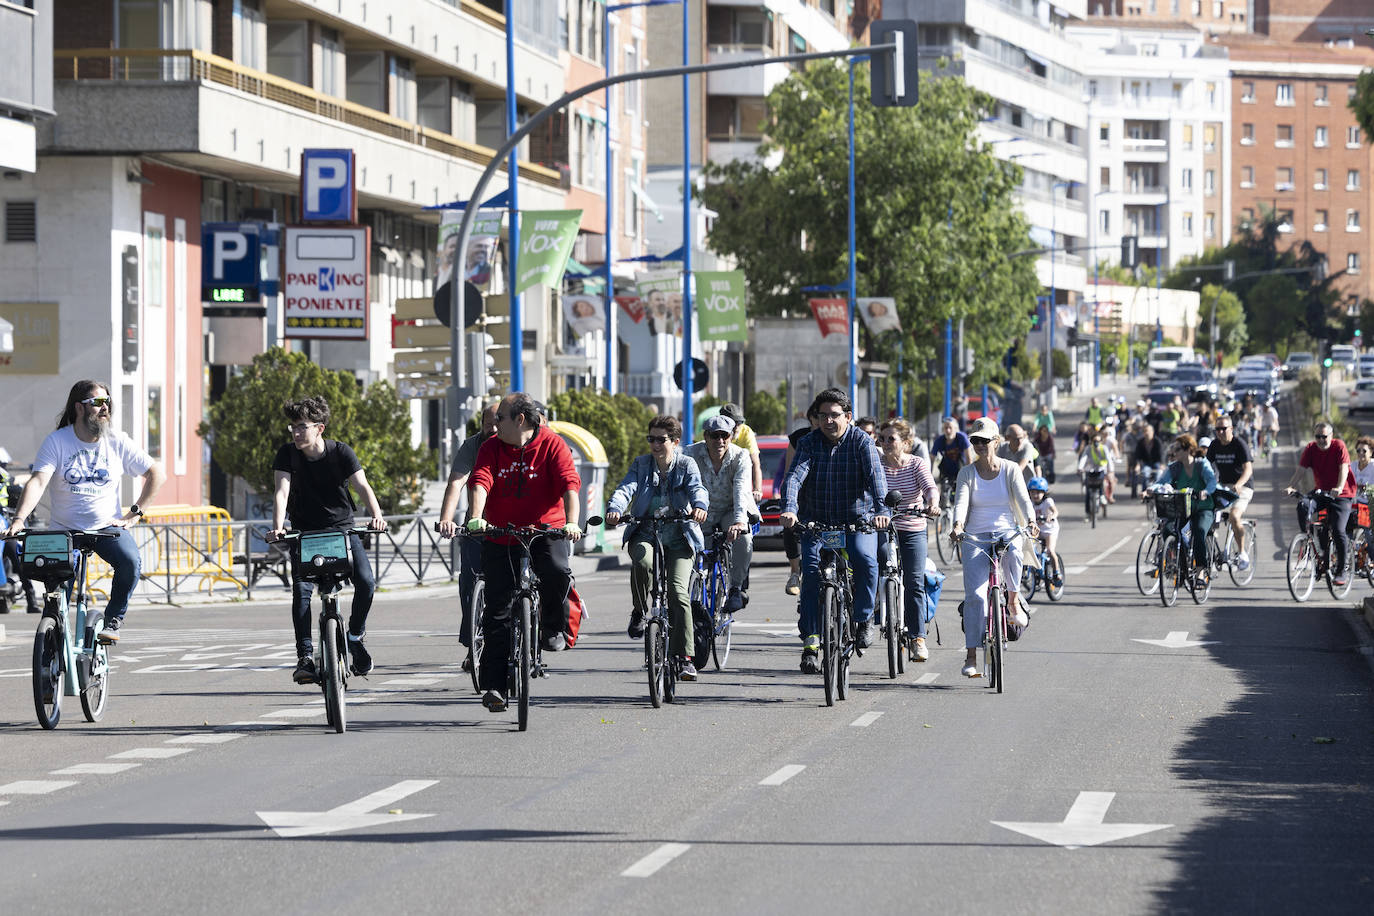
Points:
[(679, 578)]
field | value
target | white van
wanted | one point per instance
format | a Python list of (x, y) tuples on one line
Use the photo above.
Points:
[(1344, 356), (1163, 360)]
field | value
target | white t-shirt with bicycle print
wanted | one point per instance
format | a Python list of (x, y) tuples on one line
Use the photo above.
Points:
[(84, 487)]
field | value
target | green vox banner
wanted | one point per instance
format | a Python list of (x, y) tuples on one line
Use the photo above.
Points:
[(720, 305), (546, 241)]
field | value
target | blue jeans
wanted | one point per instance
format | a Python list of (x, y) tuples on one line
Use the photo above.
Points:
[(122, 555), (912, 546), (469, 565), (364, 586), (863, 565)]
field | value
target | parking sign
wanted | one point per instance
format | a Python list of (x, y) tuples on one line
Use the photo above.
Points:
[(229, 263), (326, 290), (328, 192)]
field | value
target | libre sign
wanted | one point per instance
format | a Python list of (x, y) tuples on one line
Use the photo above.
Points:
[(326, 288)]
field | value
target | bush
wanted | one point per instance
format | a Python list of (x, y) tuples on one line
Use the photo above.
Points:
[(245, 427), (620, 422), (766, 414), (1061, 365)]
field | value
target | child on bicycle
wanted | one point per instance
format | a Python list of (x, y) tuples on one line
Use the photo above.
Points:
[(1047, 517)]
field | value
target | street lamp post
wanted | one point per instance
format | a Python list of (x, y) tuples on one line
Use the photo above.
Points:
[(1054, 259), (517, 326), (853, 323)]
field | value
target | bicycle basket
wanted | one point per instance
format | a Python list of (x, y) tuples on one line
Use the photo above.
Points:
[(1173, 505), (1362, 514), (323, 555), (47, 557)]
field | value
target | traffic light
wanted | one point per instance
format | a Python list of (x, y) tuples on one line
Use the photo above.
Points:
[(1072, 332), (1130, 251), (894, 74), (480, 364), (1035, 318), (1326, 363)]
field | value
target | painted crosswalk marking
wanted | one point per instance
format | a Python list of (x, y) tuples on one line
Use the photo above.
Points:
[(655, 860), (95, 769), (782, 774)]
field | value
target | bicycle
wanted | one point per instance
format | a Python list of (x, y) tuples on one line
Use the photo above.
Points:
[(713, 627), (1094, 498), (1176, 564), (62, 664), (1047, 571), (664, 670), (836, 604), (326, 559), (944, 524), (1148, 556), (998, 608), (1229, 553), (1311, 555), (890, 608), (1361, 547)]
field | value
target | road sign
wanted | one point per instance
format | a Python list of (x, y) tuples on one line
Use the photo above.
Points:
[(326, 284), (701, 374), (894, 75), (404, 335), (424, 387), (328, 191), (230, 262), (432, 361)]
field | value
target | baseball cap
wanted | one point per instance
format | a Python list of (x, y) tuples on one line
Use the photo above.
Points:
[(719, 424), (983, 428), (733, 412)]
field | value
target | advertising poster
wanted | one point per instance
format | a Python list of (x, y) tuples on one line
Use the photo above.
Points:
[(720, 308), (831, 314), (879, 314), (584, 314), (660, 291), (546, 241)]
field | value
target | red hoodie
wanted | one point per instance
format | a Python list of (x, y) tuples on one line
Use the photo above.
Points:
[(525, 484)]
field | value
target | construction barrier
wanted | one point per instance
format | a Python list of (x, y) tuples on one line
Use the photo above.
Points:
[(177, 544)]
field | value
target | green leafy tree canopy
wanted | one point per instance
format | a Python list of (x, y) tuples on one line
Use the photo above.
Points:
[(620, 422)]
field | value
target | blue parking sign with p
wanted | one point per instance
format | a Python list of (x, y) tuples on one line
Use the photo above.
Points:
[(327, 186), (230, 262)]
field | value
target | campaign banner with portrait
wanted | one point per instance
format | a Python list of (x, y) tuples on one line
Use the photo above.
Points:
[(719, 305), (546, 241), (584, 314), (661, 295), (482, 243), (879, 314), (831, 314)]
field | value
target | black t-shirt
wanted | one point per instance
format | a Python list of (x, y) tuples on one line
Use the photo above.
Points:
[(795, 436), (1229, 460), (1149, 453), (319, 497)]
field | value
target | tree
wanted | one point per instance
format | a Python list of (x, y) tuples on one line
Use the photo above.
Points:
[(246, 426), (1362, 103), (620, 422), (1367, 320), (766, 414), (1026, 365), (1275, 309), (1232, 334), (935, 216)]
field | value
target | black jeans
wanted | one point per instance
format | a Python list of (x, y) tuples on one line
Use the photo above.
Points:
[(1337, 514), (501, 566), (364, 586)]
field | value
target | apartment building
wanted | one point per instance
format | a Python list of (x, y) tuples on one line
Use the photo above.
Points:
[(1336, 23), (1159, 123), (1208, 16), (171, 113), (25, 80)]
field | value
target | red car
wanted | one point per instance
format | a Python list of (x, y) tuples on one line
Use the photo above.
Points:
[(773, 460)]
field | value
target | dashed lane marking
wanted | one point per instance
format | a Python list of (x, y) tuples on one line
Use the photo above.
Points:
[(95, 769), (302, 712), (204, 739), (782, 775), (655, 860), (35, 786), (927, 678), (865, 720), (151, 753)]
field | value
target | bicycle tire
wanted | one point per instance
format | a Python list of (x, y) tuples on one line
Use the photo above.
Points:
[(1360, 550), (655, 660), (1301, 567), (943, 546), (892, 629), (95, 682), (48, 671), (705, 600), (1054, 562), (1147, 556), (1200, 595), (830, 650), (477, 606), (999, 647), (335, 703), (1170, 570), (845, 627), (526, 643), (1239, 577), (720, 642), (1090, 506), (1338, 591), (1030, 580)]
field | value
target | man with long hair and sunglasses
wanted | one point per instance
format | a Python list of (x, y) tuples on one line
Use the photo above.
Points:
[(85, 460)]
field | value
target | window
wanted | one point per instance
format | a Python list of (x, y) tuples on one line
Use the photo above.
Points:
[(402, 89), (1283, 179), (1247, 176), (1209, 182), (1104, 221), (1352, 263), (1187, 223), (288, 51), (1187, 136), (1247, 92), (1177, 91), (1352, 137), (331, 62), (1211, 95), (1209, 138), (1319, 180), (1197, 7), (1320, 224), (1319, 95), (1283, 135), (21, 221), (1105, 178), (1247, 217), (1283, 94), (1104, 132), (1352, 220), (1186, 179), (1319, 137), (1216, 9), (1285, 220), (633, 52), (1209, 225), (1149, 50), (1092, 89), (1247, 135), (251, 22), (1352, 180)]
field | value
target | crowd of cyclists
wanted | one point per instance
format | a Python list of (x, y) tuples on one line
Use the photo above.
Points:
[(876, 483)]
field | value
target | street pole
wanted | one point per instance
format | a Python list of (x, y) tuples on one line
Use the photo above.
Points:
[(949, 362), (517, 324), (609, 305), (853, 310), (686, 227)]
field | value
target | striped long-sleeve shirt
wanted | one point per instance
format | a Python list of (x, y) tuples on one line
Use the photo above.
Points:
[(845, 479)]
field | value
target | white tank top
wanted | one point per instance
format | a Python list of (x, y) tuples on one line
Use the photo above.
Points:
[(989, 508)]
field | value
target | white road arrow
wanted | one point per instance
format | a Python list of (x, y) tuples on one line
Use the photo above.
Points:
[(1177, 639), (351, 816), (1082, 826)]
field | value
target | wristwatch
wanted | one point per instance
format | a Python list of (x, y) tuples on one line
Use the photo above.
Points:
[(135, 510)]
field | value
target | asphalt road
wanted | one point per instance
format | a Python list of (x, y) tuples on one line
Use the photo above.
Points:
[(1226, 774)]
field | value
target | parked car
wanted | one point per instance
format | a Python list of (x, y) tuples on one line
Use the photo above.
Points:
[(1162, 396), (1297, 362), (1163, 360), (773, 462), (1367, 366), (975, 407), (1259, 385), (1361, 397), (1266, 363)]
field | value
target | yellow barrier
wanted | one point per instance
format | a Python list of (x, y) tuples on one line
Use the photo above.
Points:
[(180, 542)]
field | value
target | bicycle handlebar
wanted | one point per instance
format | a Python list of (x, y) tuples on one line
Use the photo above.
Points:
[(531, 531), (853, 528), (296, 535)]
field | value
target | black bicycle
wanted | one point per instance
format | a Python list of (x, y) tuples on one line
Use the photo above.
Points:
[(1094, 498), (325, 558), (835, 602), (664, 670)]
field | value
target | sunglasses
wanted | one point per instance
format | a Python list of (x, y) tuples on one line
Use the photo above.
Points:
[(889, 438), (719, 436), (1223, 429), (656, 440), (96, 402), (981, 443), (1321, 436), (299, 427)]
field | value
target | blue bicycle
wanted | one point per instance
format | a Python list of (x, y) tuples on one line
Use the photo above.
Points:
[(713, 626)]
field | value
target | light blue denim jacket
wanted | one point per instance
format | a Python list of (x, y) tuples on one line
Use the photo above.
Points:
[(682, 489)]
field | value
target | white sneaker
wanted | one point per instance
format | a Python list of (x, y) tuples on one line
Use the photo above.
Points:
[(922, 653), (971, 670), (1019, 617), (1242, 561)]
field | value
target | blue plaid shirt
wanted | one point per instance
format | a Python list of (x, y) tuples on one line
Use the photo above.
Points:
[(845, 481)]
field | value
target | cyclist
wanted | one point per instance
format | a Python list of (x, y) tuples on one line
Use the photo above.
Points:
[(524, 476), (791, 544), (312, 477), (911, 476), (1044, 419), (89, 460), (1231, 459), (666, 478), (1018, 450), (990, 503), (1329, 461), (1189, 468), (1363, 472), (1170, 419), (11, 549), (1269, 425), (950, 451), (836, 478), (1097, 455), (469, 549), (746, 439), (868, 426), (1094, 415), (1047, 519), (1148, 455), (1043, 441), (724, 470)]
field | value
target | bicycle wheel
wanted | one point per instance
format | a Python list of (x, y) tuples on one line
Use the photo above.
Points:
[(48, 671), (830, 639), (1231, 551), (992, 650), (1202, 574), (845, 627), (891, 596), (1147, 563), (1338, 591), (1302, 567), (477, 605), (525, 646), (1359, 548), (1029, 581), (999, 647), (706, 602), (943, 545), (335, 703), (720, 642), (95, 682), (1170, 571), (1090, 505), (655, 659), (1054, 569)]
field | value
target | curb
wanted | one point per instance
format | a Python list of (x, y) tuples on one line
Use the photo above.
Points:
[(588, 563)]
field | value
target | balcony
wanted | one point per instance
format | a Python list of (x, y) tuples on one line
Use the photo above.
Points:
[(754, 82), (1144, 194), (1136, 149)]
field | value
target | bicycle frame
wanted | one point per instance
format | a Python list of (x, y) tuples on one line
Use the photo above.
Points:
[(71, 651)]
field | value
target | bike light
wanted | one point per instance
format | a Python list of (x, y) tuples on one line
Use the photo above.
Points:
[(318, 560)]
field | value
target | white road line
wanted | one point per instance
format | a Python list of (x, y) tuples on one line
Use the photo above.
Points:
[(95, 769), (782, 775), (35, 786), (151, 753), (791, 632), (865, 720), (1075, 570), (1109, 551), (655, 860), (412, 681), (257, 724), (204, 739), (927, 678), (297, 713)]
